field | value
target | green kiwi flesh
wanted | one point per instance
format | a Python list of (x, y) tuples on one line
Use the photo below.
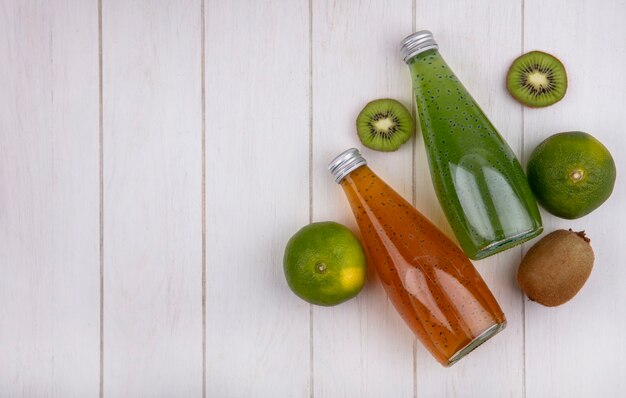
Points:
[(384, 125), (537, 79)]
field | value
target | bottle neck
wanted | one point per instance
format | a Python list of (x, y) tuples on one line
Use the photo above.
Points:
[(349, 181), (432, 77), (426, 60)]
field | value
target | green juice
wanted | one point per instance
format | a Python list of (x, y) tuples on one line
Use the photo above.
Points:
[(479, 182)]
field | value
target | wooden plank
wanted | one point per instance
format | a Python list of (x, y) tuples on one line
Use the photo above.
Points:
[(152, 198), (362, 348), (257, 151), (478, 39), (578, 349), (49, 297)]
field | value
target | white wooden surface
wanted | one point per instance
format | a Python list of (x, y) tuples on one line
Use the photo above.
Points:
[(581, 343), (155, 156), (49, 233), (257, 122), (152, 186), (361, 348)]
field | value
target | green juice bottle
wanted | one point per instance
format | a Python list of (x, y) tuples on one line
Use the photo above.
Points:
[(479, 181)]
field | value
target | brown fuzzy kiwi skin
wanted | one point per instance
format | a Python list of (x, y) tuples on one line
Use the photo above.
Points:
[(556, 268)]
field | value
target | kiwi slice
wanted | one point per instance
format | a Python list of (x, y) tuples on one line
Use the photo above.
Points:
[(537, 79), (384, 125)]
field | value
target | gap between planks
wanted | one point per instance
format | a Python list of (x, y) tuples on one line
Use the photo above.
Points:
[(522, 156), (311, 345), (203, 200), (414, 188), (101, 201)]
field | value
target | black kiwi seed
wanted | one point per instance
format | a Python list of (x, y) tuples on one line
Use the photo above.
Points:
[(384, 125), (537, 79)]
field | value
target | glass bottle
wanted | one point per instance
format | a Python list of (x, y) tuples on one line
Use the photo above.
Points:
[(479, 182), (429, 280)]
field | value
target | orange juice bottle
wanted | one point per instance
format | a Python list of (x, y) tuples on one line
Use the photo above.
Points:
[(429, 280)]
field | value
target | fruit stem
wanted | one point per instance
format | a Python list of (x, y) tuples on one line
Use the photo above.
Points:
[(582, 235), (320, 267), (577, 175)]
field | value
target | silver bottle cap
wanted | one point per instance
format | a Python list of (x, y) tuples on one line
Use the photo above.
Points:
[(417, 43), (345, 163)]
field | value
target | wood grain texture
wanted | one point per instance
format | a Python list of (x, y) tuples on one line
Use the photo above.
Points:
[(284, 81), (578, 349), (152, 198), (48, 199), (257, 151), (478, 39), (361, 348)]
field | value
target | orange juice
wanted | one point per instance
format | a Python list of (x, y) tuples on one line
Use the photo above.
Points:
[(429, 280)]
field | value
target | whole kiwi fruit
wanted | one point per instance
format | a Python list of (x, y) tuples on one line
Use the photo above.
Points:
[(556, 267)]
